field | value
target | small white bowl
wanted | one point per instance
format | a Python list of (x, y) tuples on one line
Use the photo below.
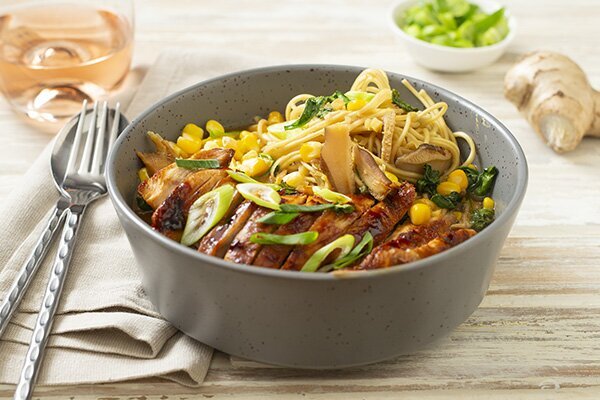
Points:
[(452, 59)]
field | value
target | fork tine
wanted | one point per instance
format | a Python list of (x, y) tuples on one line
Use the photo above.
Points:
[(84, 165), (77, 140), (115, 127), (98, 156)]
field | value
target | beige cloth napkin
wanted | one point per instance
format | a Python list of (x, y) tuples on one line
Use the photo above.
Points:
[(106, 329)]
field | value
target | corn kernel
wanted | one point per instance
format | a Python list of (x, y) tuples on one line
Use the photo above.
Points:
[(143, 174), (391, 176), (445, 188), (191, 137), (427, 202), (459, 177), (458, 215), (231, 143), (193, 130), (212, 144), (355, 104), (214, 128), (419, 214), (275, 117), (488, 203), (255, 166), (294, 179), (190, 146), (310, 150), (250, 154), (248, 141)]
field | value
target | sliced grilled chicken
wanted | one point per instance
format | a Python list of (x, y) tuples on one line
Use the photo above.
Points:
[(217, 241), (330, 226), (242, 250), (169, 218), (381, 219), (417, 241), (273, 256), (160, 185)]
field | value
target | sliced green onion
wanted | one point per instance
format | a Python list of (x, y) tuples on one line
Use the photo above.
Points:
[(278, 130), (261, 194), (363, 248), (330, 195), (205, 213), (291, 240), (278, 218), (344, 243), (356, 95), (243, 178), (289, 208), (209, 163)]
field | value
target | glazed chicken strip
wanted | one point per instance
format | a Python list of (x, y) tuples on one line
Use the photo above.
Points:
[(404, 237), (242, 250), (330, 226), (169, 218), (160, 185), (416, 243), (273, 256), (381, 219), (217, 241)]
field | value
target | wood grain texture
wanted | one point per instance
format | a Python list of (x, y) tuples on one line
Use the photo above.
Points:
[(537, 332)]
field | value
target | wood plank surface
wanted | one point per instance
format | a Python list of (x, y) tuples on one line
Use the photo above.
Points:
[(537, 333)]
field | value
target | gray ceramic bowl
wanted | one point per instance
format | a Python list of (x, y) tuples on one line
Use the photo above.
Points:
[(300, 319)]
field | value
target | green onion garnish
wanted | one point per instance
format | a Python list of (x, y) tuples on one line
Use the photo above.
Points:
[(363, 248), (278, 218), (209, 163), (291, 240), (343, 243), (243, 178), (289, 208)]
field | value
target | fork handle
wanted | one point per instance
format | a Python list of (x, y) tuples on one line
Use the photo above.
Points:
[(28, 270), (45, 317)]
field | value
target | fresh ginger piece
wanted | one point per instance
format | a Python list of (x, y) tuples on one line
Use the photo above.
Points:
[(555, 96)]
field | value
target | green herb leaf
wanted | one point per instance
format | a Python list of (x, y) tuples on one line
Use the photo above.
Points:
[(210, 163), (278, 218), (449, 202), (480, 183), (141, 203), (400, 103), (481, 218), (311, 108), (428, 183), (316, 107), (487, 178), (290, 240), (316, 208)]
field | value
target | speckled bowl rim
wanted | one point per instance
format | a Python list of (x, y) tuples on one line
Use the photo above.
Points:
[(215, 262)]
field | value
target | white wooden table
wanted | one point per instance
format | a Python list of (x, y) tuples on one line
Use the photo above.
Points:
[(537, 332)]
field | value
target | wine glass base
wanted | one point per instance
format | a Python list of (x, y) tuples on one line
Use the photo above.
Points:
[(58, 102)]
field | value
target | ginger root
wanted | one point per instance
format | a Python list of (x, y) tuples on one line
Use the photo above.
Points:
[(555, 96)]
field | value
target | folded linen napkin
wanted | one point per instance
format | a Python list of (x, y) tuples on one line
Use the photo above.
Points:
[(106, 329)]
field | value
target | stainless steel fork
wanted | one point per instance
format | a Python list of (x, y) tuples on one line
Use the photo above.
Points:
[(83, 183)]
